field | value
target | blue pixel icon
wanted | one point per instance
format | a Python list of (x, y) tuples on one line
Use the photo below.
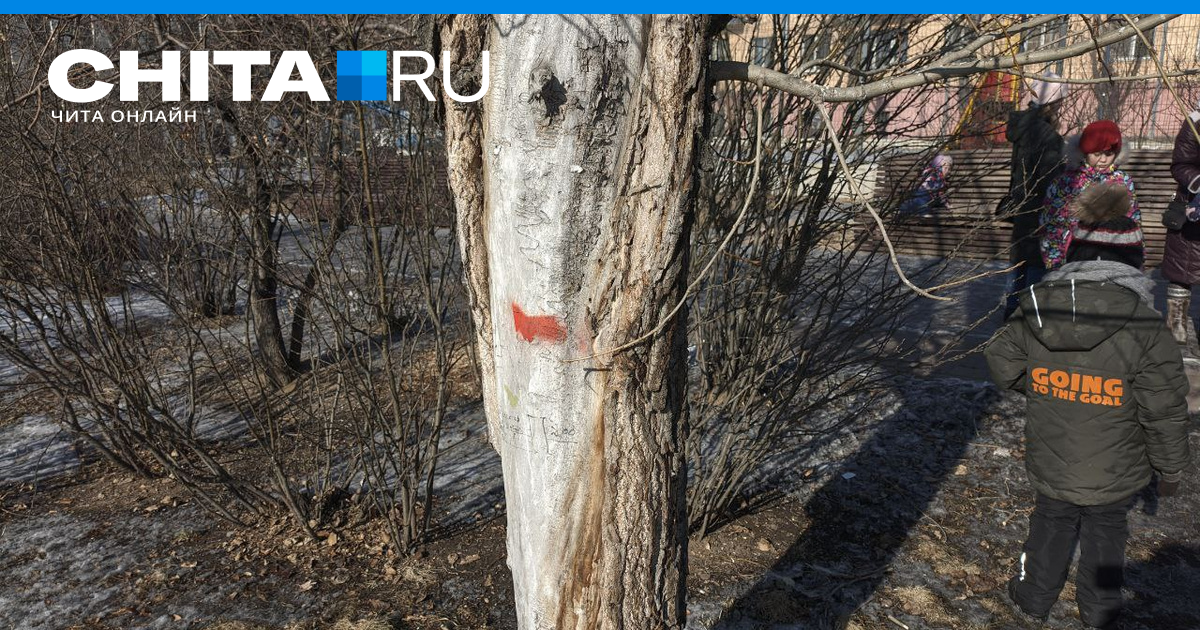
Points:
[(362, 75)]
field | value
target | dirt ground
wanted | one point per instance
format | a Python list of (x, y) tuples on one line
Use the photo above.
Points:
[(912, 519)]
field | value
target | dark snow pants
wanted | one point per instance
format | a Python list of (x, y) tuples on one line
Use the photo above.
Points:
[(1054, 528)]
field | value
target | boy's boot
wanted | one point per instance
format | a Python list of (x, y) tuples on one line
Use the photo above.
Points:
[(1015, 600)]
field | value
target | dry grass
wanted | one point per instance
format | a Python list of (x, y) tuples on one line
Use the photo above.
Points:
[(943, 562), (365, 624), (922, 602)]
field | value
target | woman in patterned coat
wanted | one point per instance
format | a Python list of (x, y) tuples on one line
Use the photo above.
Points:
[(1092, 160)]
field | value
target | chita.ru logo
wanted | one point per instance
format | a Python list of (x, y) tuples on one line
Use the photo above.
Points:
[(362, 75)]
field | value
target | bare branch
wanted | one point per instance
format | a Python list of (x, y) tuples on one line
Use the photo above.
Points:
[(741, 71), (987, 38), (1119, 79), (1183, 109), (858, 194), (828, 63)]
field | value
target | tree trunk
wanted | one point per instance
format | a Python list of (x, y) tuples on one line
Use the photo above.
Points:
[(263, 269), (574, 182), (264, 298)]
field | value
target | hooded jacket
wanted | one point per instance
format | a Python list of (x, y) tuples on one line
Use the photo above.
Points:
[(1037, 158), (1181, 259), (1104, 381)]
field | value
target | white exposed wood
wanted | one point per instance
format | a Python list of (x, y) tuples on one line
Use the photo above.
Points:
[(543, 225), (574, 193)]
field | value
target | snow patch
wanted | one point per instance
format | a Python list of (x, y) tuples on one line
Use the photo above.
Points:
[(36, 448)]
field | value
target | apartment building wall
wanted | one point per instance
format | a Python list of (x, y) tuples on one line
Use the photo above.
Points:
[(1145, 108)]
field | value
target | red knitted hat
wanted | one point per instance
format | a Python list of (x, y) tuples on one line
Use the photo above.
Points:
[(1102, 135)]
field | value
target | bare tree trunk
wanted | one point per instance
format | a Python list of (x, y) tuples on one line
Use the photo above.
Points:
[(337, 227), (264, 297), (263, 265), (575, 185)]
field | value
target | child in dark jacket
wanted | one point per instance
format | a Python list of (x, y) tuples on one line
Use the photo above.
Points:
[(1037, 152), (1105, 386)]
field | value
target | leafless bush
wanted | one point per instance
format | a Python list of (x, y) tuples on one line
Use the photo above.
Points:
[(153, 269), (799, 312)]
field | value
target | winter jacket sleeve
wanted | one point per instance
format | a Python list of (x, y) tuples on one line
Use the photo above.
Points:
[(1135, 211), (1016, 124), (1050, 164), (1007, 354), (1056, 224), (1159, 388), (1185, 159)]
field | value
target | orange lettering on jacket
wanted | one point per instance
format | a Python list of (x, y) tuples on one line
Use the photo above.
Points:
[(1086, 389)]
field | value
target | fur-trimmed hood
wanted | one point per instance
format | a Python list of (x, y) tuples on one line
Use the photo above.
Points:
[(1074, 155)]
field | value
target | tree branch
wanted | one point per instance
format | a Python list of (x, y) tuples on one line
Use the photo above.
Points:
[(1126, 79), (987, 38), (858, 194), (1183, 109), (741, 71)]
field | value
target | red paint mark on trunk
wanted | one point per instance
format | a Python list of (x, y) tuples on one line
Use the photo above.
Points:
[(532, 327)]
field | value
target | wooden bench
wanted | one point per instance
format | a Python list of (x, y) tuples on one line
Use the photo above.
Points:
[(977, 183)]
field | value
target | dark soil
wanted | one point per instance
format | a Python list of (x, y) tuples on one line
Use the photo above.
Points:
[(911, 519)]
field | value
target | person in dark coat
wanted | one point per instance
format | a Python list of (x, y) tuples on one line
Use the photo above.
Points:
[(1037, 160), (1181, 259), (1106, 393)]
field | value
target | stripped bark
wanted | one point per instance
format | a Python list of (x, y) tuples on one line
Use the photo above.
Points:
[(575, 183)]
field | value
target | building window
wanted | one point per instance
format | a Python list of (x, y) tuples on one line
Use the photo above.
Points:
[(1052, 34), (814, 47), (1132, 48), (957, 36), (885, 48), (720, 50), (762, 51)]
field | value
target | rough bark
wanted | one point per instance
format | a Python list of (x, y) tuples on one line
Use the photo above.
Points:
[(263, 265), (263, 307), (574, 182)]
